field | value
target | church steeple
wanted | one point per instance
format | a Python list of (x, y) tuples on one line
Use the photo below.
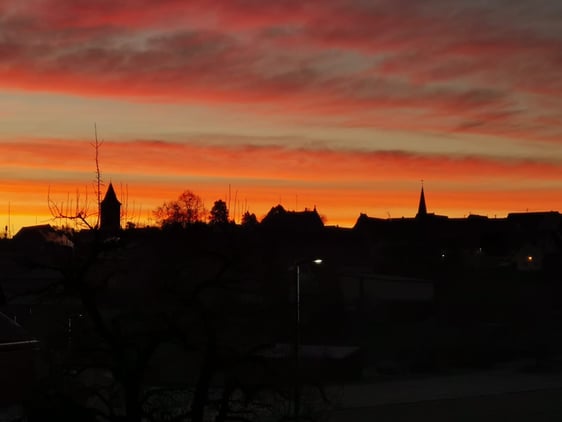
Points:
[(422, 209), (110, 212)]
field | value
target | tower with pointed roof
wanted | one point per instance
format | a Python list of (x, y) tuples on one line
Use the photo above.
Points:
[(422, 209), (110, 218)]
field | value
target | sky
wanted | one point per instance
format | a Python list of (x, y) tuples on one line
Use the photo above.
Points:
[(340, 105)]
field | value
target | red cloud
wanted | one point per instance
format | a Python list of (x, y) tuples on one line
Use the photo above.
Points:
[(456, 67)]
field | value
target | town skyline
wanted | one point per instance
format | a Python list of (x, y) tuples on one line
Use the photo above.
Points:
[(82, 217), (344, 106)]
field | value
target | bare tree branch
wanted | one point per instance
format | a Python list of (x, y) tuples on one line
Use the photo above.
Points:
[(81, 213), (97, 144)]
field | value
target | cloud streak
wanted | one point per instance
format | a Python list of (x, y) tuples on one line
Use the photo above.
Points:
[(457, 68), (304, 166)]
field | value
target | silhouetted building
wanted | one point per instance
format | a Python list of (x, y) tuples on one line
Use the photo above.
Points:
[(297, 221), (17, 350), (110, 219), (422, 209), (43, 245), (32, 237), (540, 240)]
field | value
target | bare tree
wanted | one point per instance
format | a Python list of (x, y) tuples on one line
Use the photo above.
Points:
[(97, 144), (81, 212), (187, 209)]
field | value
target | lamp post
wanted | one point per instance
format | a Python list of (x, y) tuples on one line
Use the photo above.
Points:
[(298, 265)]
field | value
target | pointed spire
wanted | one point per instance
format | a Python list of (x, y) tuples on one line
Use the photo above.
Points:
[(422, 209), (110, 195)]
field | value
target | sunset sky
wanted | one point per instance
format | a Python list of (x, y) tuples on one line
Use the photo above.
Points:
[(342, 105)]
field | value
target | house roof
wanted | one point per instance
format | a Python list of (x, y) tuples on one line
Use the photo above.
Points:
[(12, 335), (42, 233), (316, 351), (43, 229), (279, 218)]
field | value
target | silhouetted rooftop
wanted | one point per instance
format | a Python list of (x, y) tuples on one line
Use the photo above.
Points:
[(12, 335), (41, 233), (110, 196), (279, 218)]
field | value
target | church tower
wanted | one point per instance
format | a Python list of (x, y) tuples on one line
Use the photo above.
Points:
[(110, 218), (422, 209)]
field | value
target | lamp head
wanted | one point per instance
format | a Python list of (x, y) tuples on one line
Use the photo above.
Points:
[(316, 261)]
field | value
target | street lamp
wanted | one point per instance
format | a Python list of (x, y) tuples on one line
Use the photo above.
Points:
[(298, 265)]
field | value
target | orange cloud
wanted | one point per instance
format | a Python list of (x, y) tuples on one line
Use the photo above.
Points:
[(261, 164), (341, 183)]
